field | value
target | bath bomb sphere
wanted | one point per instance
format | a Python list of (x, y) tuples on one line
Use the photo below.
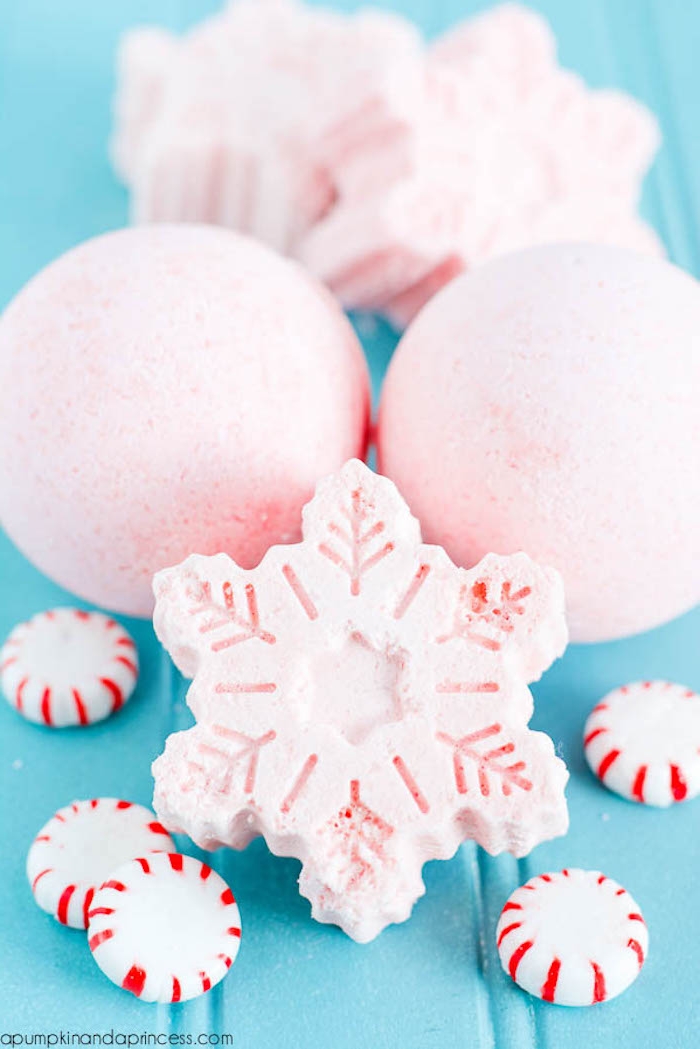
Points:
[(548, 402), (168, 390)]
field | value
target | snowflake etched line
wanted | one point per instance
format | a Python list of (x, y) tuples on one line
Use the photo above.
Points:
[(250, 750), (245, 688), (413, 788), (222, 787), (221, 615), (361, 831), (473, 687), (356, 541), (408, 598), (474, 608), (300, 782), (487, 763), (299, 592)]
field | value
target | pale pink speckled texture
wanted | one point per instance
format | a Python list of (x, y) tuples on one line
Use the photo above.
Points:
[(548, 401), (168, 389), (361, 702)]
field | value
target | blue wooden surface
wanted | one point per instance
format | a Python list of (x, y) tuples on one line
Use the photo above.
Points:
[(434, 981)]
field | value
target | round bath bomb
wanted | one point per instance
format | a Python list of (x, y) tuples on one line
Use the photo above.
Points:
[(548, 402), (165, 390)]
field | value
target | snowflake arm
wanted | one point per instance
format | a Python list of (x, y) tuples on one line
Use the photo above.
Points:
[(206, 606), (513, 607)]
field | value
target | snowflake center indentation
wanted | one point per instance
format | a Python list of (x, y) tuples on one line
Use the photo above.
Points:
[(355, 686)]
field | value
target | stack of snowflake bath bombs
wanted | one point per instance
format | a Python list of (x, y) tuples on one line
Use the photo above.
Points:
[(385, 165)]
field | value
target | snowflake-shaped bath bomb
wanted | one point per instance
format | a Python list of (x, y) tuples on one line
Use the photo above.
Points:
[(361, 702)]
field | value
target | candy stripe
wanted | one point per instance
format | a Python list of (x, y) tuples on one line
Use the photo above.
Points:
[(517, 957), (127, 663), (83, 718), (607, 761), (636, 946), (508, 929), (638, 785), (157, 828), (135, 980), (679, 788), (115, 691), (63, 904), (550, 984), (177, 991), (593, 735), (40, 875), (86, 906), (46, 706), (99, 938), (19, 697), (598, 983)]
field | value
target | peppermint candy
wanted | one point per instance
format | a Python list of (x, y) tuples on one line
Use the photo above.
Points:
[(73, 854), (643, 742), (68, 667), (165, 927), (573, 938)]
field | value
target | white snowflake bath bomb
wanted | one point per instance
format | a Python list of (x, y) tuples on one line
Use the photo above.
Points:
[(361, 702), (165, 389), (548, 402)]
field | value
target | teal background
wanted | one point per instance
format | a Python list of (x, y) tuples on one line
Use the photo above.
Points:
[(434, 981)]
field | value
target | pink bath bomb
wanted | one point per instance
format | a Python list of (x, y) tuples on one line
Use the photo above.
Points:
[(548, 402), (165, 390)]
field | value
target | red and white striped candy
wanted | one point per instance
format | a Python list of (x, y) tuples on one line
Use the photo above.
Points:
[(573, 938), (165, 927), (68, 667), (643, 742), (73, 854)]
